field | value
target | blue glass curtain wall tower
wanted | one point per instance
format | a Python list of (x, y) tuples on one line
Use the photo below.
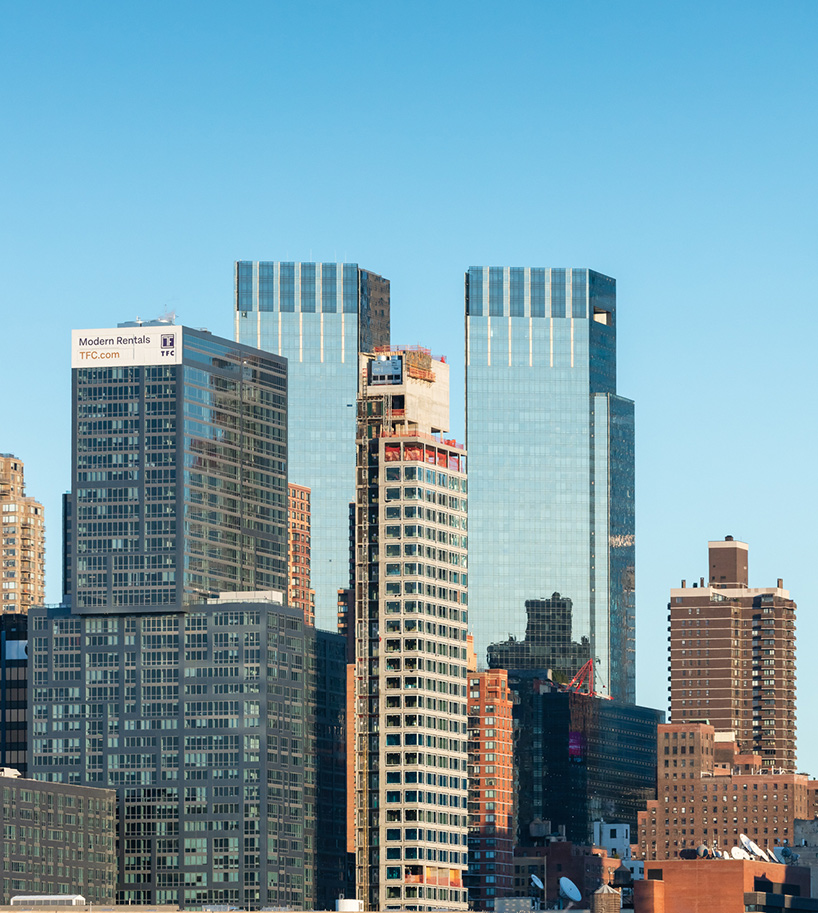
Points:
[(552, 470), (319, 316)]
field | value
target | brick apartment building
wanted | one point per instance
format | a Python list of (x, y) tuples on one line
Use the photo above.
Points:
[(732, 656), (299, 594), (23, 545), (710, 793), (492, 824), (729, 886)]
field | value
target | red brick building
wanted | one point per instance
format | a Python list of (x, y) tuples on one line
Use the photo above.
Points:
[(492, 824), (728, 886), (299, 594), (709, 793)]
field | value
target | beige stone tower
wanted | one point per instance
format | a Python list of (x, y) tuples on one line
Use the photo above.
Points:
[(23, 540)]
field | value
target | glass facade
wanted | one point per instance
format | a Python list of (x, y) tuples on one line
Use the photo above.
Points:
[(220, 730), (57, 839), (319, 316), (179, 477), (580, 759), (13, 701), (552, 473)]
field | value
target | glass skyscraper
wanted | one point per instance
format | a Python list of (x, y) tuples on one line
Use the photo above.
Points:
[(179, 475), (319, 316), (551, 446)]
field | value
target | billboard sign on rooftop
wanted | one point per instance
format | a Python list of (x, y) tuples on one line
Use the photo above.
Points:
[(146, 345)]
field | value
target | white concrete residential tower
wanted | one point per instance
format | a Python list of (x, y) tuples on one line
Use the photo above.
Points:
[(410, 638)]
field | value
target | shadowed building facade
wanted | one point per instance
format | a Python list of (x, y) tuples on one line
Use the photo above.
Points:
[(57, 839), (579, 758), (551, 445), (179, 467), (13, 691), (547, 644), (218, 726)]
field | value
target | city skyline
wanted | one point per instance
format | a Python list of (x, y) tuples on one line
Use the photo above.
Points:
[(150, 153)]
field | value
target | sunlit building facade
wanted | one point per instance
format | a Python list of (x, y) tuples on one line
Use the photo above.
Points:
[(551, 446), (299, 591), (710, 792), (492, 789), (319, 316), (732, 656), (23, 540), (411, 620)]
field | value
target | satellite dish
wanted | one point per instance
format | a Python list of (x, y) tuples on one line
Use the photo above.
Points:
[(752, 847), (569, 889), (702, 851), (537, 882), (716, 853), (737, 852), (780, 856), (786, 852)]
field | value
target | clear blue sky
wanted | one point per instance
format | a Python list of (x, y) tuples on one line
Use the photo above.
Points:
[(146, 146)]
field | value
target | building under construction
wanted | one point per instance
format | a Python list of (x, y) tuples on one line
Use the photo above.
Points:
[(410, 672)]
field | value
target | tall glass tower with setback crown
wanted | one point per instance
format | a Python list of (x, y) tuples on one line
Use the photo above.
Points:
[(319, 316), (551, 447)]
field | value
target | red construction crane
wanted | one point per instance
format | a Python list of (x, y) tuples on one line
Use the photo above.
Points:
[(585, 677)]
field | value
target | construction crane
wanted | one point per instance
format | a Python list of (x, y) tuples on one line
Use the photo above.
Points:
[(585, 677)]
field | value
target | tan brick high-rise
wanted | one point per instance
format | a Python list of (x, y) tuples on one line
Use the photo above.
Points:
[(732, 657), (299, 594), (23, 540)]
